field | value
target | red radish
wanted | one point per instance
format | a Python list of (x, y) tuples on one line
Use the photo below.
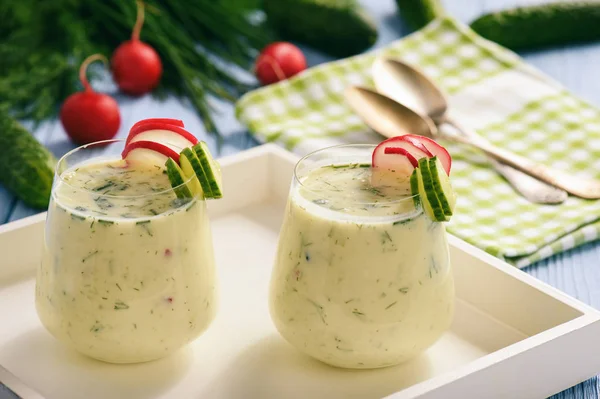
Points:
[(399, 160), (168, 121), (416, 150), (417, 144), (136, 130), (389, 163), (385, 154), (279, 61), (174, 137), (88, 116), (136, 66), (145, 151), (434, 148), (401, 151)]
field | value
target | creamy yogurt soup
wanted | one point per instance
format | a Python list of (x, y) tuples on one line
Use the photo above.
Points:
[(362, 278), (127, 273)]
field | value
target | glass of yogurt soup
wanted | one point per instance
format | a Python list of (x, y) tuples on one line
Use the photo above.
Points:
[(362, 276), (127, 273)]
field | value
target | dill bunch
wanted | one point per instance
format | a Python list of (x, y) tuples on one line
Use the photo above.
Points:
[(42, 44)]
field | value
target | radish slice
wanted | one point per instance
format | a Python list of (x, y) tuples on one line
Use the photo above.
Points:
[(417, 144), (434, 148), (400, 142), (390, 165), (149, 152), (379, 154), (161, 126), (165, 137), (169, 121), (174, 137), (397, 160), (401, 151)]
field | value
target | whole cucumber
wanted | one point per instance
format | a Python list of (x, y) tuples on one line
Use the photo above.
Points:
[(418, 13), (26, 166), (337, 27), (543, 25)]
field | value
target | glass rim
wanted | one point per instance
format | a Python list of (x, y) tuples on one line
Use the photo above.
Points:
[(341, 146), (103, 143)]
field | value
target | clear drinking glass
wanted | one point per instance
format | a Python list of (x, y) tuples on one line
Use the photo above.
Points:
[(362, 276), (124, 278)]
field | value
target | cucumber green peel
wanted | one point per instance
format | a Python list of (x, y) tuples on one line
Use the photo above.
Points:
[(199, 167), (428, 192), (26, 166), (427, 208), (211, 169), (338, 27), (191, 166), (441, 185), (535, 26), (414, 188), (177, 179), (430, 181), (418, 13)]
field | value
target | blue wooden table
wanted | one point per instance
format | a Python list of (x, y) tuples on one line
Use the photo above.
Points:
[(576, 272)]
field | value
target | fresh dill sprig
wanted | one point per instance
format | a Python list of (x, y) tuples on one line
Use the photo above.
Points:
[(43, 44)]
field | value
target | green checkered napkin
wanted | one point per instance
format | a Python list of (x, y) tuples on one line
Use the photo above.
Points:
[(492, 90)]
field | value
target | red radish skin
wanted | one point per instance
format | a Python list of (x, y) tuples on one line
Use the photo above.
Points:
[(89, 116), (400, 161), (435, 149), (136, 67), (279, 61), (168, 121), (150, 145), (140, 128), (417, 151), (417, 144), (379, 157), (401, 151)]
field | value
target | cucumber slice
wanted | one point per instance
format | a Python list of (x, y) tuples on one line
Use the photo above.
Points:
[(443, 188), (177, 179), (423, 198), (414, 188), (190, 164), (211, 168), (431, 203)]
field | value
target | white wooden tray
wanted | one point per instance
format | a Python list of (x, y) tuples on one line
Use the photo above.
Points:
[(513, 336)]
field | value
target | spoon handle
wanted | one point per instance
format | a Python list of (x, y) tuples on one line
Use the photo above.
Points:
[(578, 186), (532, 189)]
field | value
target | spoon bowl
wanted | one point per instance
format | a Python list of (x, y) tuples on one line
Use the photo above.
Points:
[(408, 85), (386, 116)]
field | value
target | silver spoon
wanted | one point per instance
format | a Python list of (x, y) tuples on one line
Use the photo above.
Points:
[(390, 118), (409, 86)]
